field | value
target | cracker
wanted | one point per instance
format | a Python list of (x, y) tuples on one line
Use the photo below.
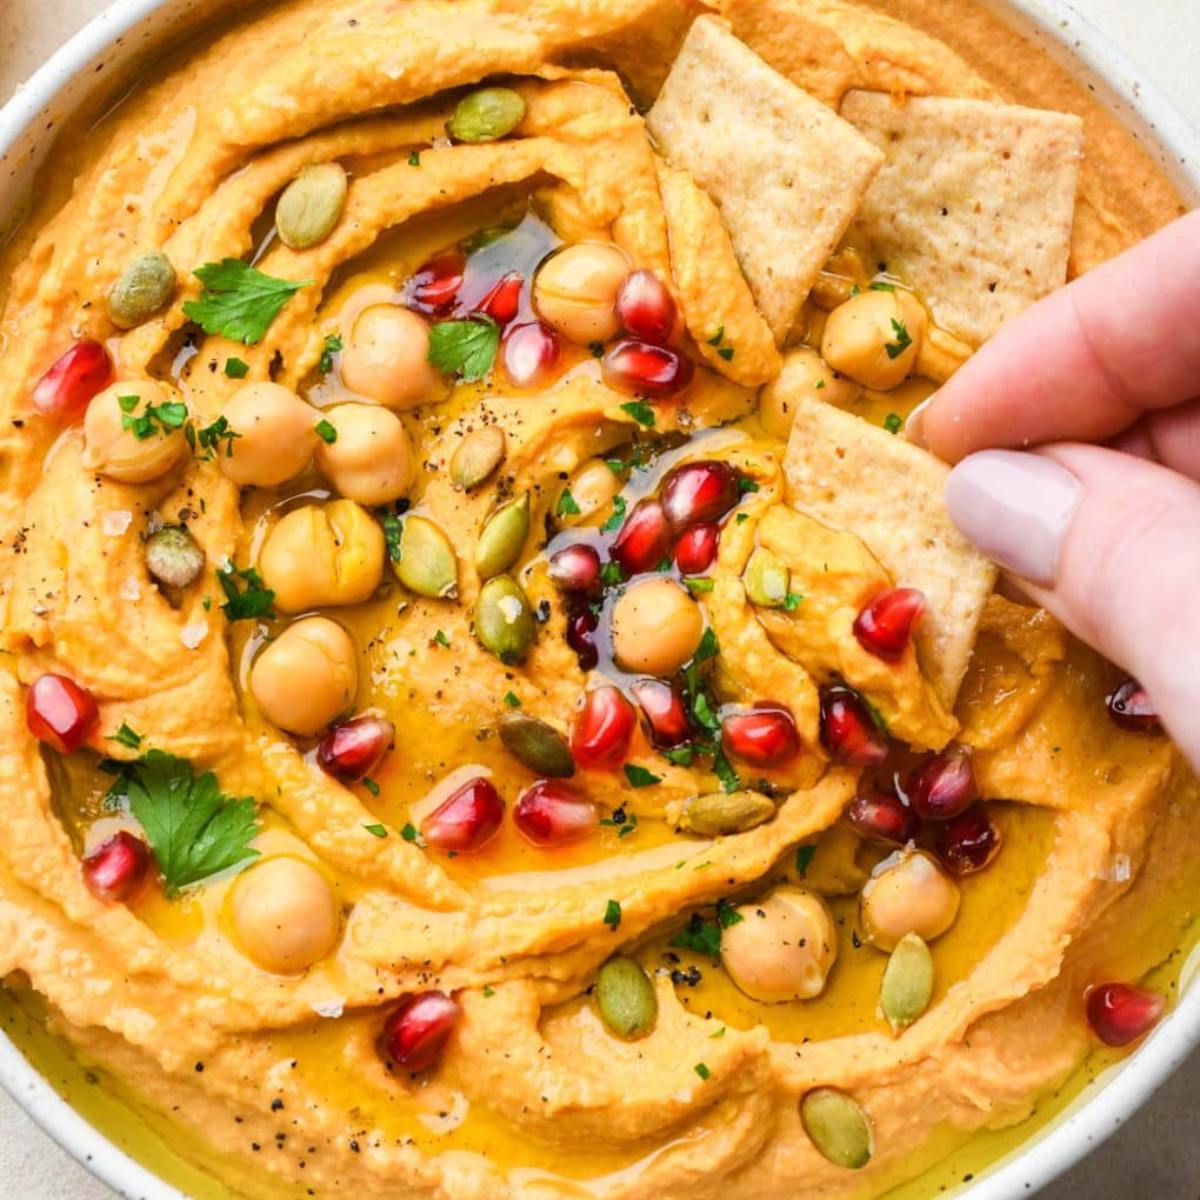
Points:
[(974, 206), (786, 172), (856, 476)]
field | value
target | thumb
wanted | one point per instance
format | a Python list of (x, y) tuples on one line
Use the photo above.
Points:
[(1111, 545)]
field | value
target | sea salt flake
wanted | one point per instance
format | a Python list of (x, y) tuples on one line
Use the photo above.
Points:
[(192, 634), (331, 1008), (116, 522), (131, 589), (1119, 871)]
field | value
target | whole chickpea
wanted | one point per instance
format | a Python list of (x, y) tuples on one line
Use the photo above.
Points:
[(907, 893), (807, 376), (592, 487), (576, 291), (387, 358), (306, 676), (116, 451), (371, 459), (285, 915), (320, 555), (875, 337), (656, 627), (783, 948), (275, 436)]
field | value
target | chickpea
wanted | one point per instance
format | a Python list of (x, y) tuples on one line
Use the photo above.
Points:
[(805, 375), (907, 893), (306, 676), (323, 555), (285, 915), (656, 627), (592, 487), (371, 459), (875, 337), (576, 291), (783, 948), (118, 452), (387, 358), (275, 438)]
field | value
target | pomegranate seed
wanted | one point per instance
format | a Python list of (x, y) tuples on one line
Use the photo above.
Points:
[(467, 820), (1120, 1013), (576, 568), (699, 491), (644, 540), (70, 383), (603, 729), (433, 288), (354, 749), (645, 307), (848, 731), (118, 868), (531, 353), (665, 711), (697, 548), (1132, 710), (884, 628), (764, 736), (944, 786), (504, 300), (551, 814), (968, 842), (417, 1030), (581, 625), (641, 369), (60, 712), (882, 817)]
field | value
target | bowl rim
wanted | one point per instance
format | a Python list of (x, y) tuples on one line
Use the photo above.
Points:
[(1061, 30)]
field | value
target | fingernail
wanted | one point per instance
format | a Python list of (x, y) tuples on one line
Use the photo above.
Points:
[(1016, 508), (913, 426)]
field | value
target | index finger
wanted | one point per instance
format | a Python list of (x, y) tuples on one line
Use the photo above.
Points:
[(1086, 362)]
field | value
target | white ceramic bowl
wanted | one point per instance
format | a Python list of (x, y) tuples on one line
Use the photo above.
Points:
[(130, 28)]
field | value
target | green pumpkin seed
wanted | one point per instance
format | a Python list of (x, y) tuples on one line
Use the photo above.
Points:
[(427, 564), (504, 621), (311, 205), (907, 985), (536, 745), (486, 115), (766, 579), (173, 557), (502, 537), (145, 288), (477, 456), (721, 813), (625, 999), (838, 1127)]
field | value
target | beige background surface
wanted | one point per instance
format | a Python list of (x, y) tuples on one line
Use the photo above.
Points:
[(1157, 1155)]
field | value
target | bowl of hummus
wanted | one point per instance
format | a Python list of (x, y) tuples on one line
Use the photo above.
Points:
[(493, 704)]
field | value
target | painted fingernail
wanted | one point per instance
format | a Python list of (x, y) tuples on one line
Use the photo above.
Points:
[(1016, 508), (913, 426)]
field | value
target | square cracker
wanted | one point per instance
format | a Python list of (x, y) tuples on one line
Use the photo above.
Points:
[(856, 476), (974, 206), (786, 172)]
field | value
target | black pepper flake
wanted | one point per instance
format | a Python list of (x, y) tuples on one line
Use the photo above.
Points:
[(276, 1105), (199, 1068)]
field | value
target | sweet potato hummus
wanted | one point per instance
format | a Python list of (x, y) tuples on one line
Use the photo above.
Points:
[(492, 703)]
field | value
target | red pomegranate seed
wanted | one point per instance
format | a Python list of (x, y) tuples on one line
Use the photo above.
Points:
[(504, 300), (60, 712), (697, 548), (645, 307), (968, 842), (70, 383), (848, 731), (603, 729), (417, 1030), (665, 711), (882, 817), (531, 353), (884, 628), (551, 814), (640, 369), (1120, 1013), (1132, 710), (644, 540), (354, 749), (433, 288), (467, 820), (576, 568), (118, 868), (944, 786), (581, 628), (764, 736), (699, 491)]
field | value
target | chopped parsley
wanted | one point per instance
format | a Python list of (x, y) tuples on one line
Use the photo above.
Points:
[(409, 833), (611, 574), (157, 418), (379, 831), (698, 584), (699, 936), (726, 352), (746, 484), (641, 412), (723, 770), (370, 785), (718, 337), (393, 532), (125, 736), (236, 368), (792, 601), (488, 993), (892, 423), (245, 595), (639, 777), (414, 159), (567, 505), (804, 856), (210, 437), (880, 286), (441, 639), (702, 1070), (238, 301), (465, 348), (612, 914), (742, 518), (617, 517), (326, 432), (727, 915), (329, 347), (902, 342), (681, 756), (512, 700)]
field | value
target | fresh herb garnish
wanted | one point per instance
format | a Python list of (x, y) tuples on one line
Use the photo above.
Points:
[(157, 418), (245, 595), (442, 639), (370, 785), (792, 601), (702, 1070), (880, 286), (612, 914), (379, 831), (902, 342), (726, 352), (125, 736), (681, 756), (723, 770), (892, 423), (488, 992), (727, 915), (465, 348), (567, 505), (742, 518), (414, 159), (639, 777), (698, 584), (409, 833), (393, 531), (236, 368), (718, 337), (641, 412), (617, 517), (239, 302), (329, 347), (746, 484), (326, 432), (210, 437), (512, 700), (804, 856), (699, 936), (611, 574)]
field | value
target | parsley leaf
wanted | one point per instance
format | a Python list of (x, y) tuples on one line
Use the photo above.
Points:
[(245, 596), (239, 302), (211, 436), (329, 347), (902, 342), (792, 601), (393, 531), (723, 770), (236, 368), (681, 756), (880, 286), (639, 777), (512, 700), (466, 348), (125, 736), (702, 1070), (746, 484), (409, 833), (488, 993), (611, 574), (726, 352), (414, 159), (718, 337), (567, 505), (167, 417), (379, 831), (892, 423), (370, 785), (804, 856), (441, 639), (697, 584), (699, 936), (727, 915), (326, 432), (641, 412), (617, 519), (612, 914)]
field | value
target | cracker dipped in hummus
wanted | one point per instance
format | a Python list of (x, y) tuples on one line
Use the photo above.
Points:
[(493, 705)]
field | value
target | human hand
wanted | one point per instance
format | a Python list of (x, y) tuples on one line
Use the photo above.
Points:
[(1107, 537)]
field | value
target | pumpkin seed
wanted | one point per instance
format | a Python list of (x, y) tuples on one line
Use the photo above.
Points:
[(427, 564), (311, 205), (144, 288), (486, 115), (502, 537), (173, 557), (536, 745), (625, 999), (477, 456), (837, 1126), (721, 813), (766, 579), (907, 983), (504, 621)]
